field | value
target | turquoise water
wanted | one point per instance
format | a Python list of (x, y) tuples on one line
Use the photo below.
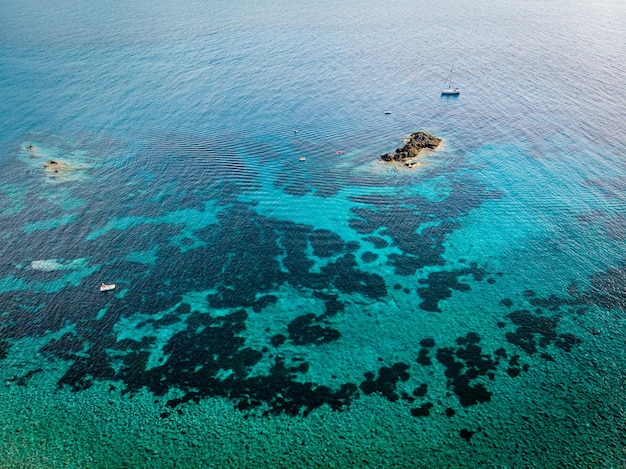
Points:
[(333, 312)]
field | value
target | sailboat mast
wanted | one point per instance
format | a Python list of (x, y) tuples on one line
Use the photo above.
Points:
[(449, 91)]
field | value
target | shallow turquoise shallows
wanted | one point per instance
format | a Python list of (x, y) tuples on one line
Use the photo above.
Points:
[(277, 295)]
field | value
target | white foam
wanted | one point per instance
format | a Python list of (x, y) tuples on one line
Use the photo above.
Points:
[(49, 265)]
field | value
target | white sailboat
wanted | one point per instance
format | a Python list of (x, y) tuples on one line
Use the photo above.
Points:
[(449, 91)]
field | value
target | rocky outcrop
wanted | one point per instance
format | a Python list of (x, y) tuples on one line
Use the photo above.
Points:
[(418, 142), (55, 167)]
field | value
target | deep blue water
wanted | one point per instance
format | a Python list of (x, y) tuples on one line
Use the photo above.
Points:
[(468, 311)]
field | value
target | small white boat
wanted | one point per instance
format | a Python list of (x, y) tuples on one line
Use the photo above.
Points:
[(387, 112), (302, 158), (449, 91), (107, 286)]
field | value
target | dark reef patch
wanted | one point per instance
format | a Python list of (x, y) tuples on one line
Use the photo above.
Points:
[(326, 243), (408, 265), (470, 338), (331, 303), (422, 411), (463, 366), (352, 246), (514, 368), (538, 330), (467, 434), (421, 390), (423, 357), (386, 381), (379, 243), (567, 341), (513, 372), (369, 256), (501, 352), (345, 277), (278, 340), (304, 330), (532, 331), (264, 301), (428, 342), (441, 284)]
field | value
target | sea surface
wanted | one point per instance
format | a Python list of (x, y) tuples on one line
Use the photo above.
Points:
[(333, 312)]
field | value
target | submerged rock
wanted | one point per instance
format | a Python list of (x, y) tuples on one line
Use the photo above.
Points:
[(417, 142)]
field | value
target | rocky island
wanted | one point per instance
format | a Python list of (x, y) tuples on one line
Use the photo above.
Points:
[(417, 142)]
